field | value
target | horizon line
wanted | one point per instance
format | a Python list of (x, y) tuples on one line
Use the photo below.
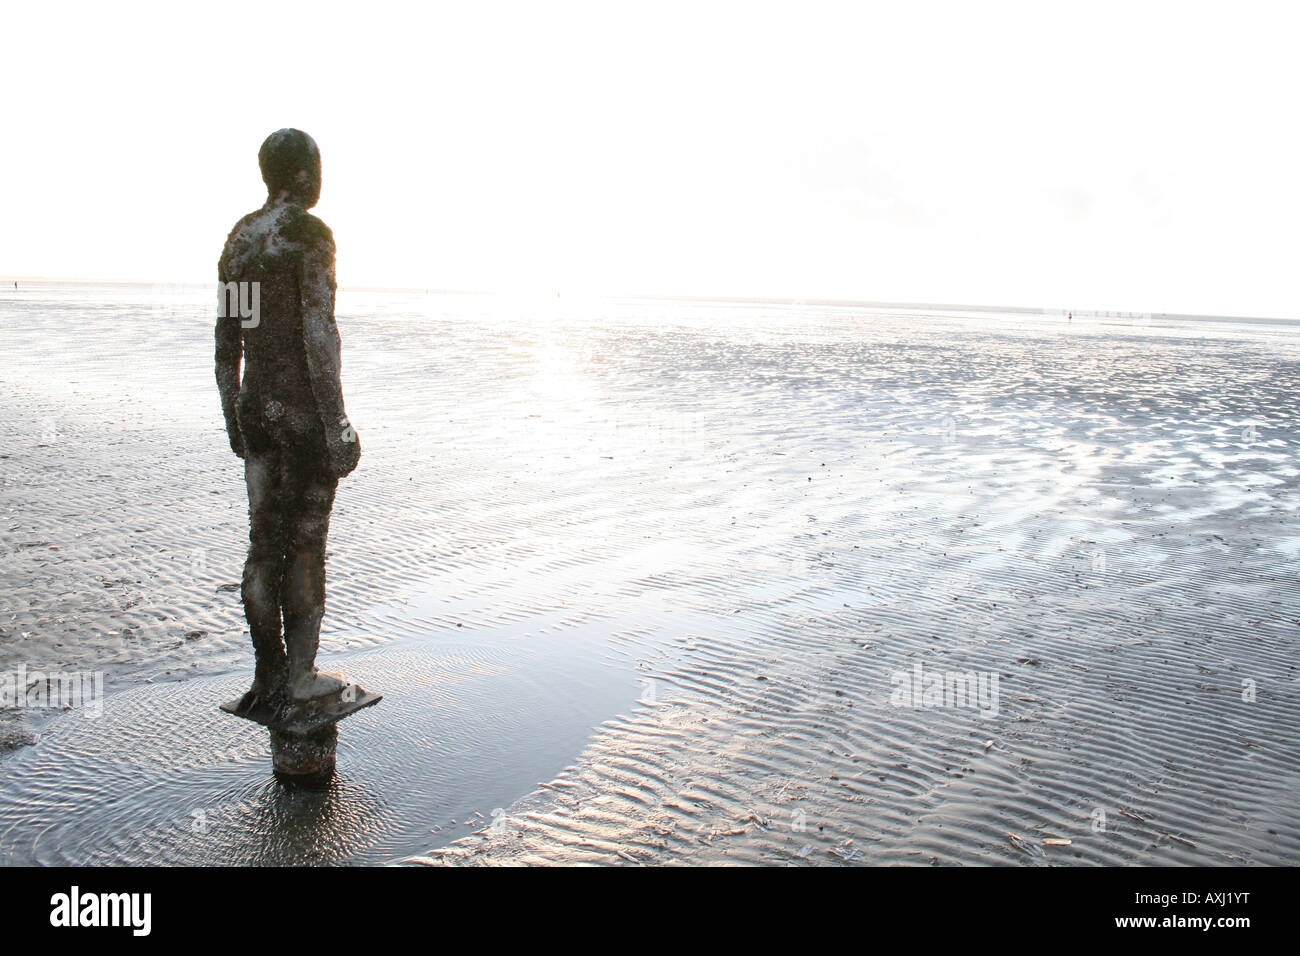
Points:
[(673, 297)]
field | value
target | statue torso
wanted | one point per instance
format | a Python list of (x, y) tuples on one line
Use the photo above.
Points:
[(268, 247)]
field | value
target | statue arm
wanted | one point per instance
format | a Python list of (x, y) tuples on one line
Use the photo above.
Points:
[(324, 359), (230, 351)]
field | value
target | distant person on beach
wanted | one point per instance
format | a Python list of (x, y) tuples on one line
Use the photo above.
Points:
[(286, 419)]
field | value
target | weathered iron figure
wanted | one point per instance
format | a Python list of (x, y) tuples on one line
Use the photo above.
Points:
[(286, 420)]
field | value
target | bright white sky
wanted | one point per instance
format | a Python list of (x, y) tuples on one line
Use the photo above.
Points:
[(1127, 157)]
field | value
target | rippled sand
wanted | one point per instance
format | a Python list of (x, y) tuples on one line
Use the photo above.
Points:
[(709, 539)]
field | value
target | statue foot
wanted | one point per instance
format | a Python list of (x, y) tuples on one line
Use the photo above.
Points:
[(315, 684), (268, 681), (269, 685)]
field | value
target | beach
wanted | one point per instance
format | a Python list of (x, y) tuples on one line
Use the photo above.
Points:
[(653, 581)]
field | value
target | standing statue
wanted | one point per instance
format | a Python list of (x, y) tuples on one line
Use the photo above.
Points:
[(286, 420)]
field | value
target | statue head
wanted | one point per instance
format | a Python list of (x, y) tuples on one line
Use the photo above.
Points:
[(290, 161)]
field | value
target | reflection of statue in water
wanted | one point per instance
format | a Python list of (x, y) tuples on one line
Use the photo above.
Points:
[(286, 418)]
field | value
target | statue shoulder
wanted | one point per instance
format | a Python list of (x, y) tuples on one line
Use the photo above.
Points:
[(238, 244), (302, 227)]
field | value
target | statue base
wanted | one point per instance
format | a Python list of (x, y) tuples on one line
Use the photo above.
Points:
[(304, 736), (305, 760)]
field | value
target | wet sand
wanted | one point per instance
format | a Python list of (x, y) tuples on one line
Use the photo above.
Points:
[(708, 538)]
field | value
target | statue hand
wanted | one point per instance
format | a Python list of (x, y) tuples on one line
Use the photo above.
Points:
[(344, 449), (236, 441)]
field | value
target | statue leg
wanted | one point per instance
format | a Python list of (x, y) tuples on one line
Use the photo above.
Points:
[(263, 571), (303, 588)]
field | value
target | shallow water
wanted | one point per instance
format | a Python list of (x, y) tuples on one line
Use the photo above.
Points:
[(162, 778)]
